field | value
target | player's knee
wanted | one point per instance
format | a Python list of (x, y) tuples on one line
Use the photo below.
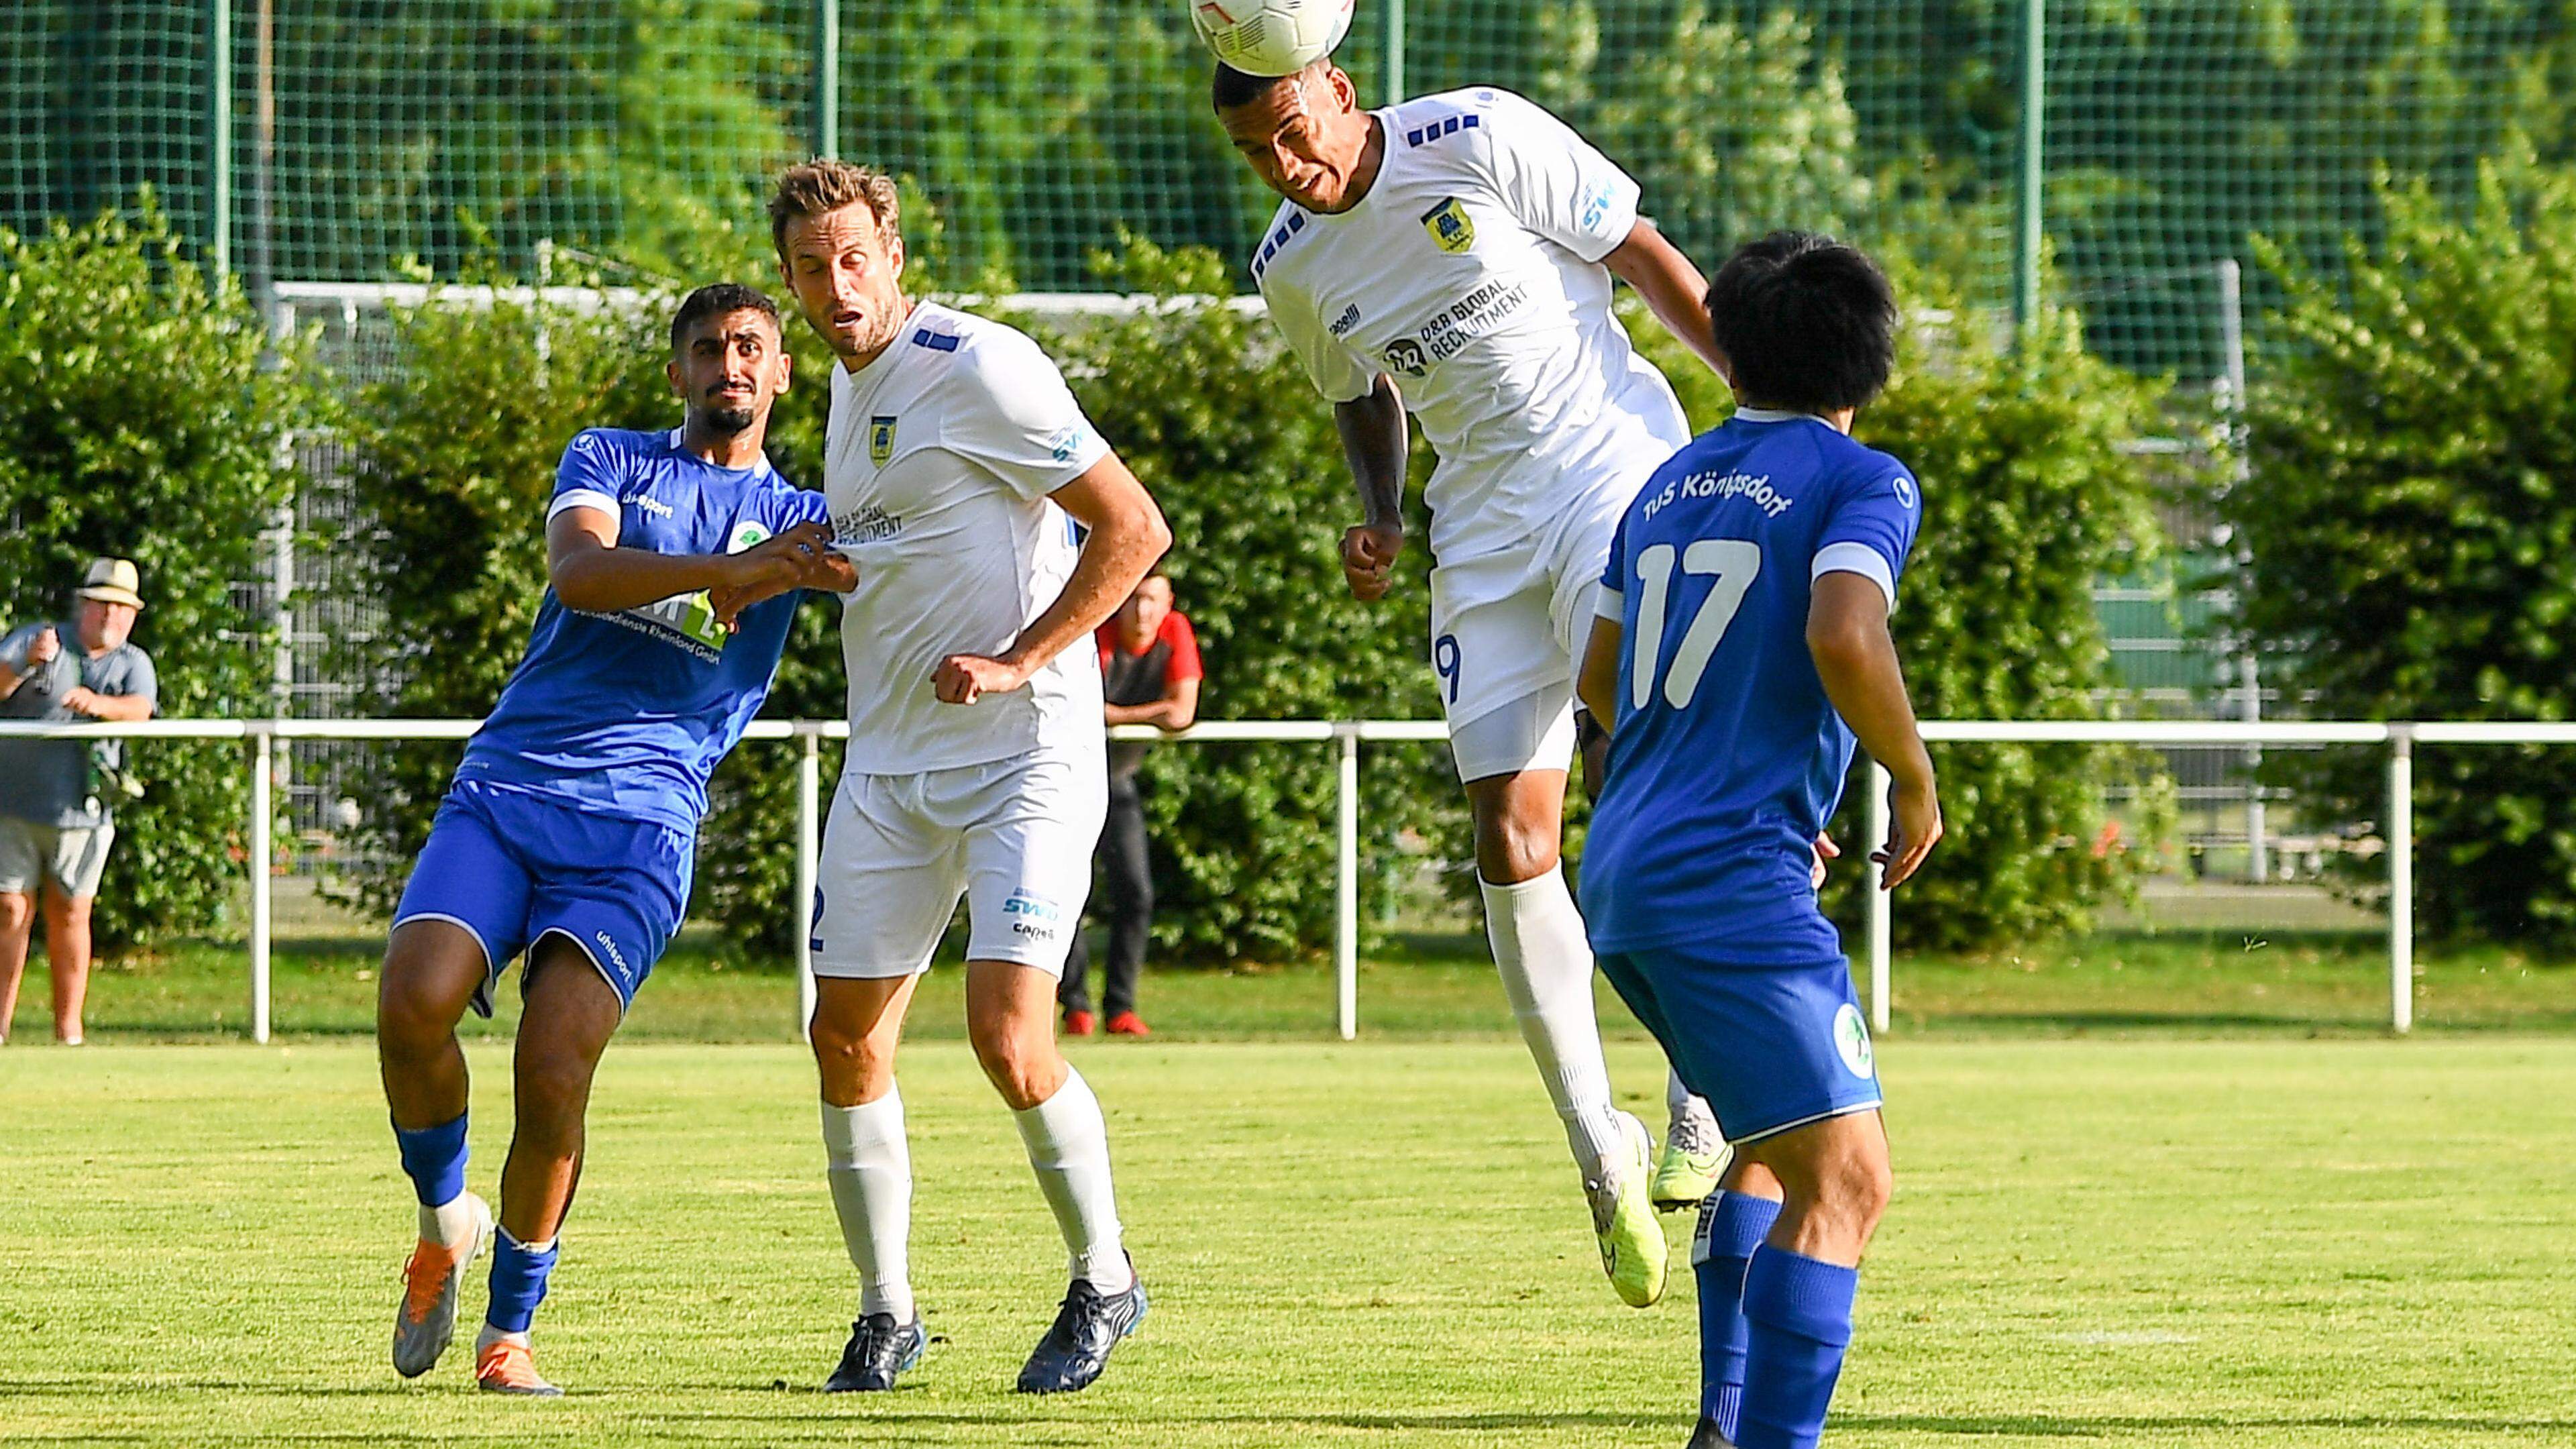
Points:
[(1025, 1071), (411, 1014), (853, 1063), (17, 912), (1856, 1186)]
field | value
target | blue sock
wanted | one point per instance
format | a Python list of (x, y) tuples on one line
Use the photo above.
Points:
[(518, 1283), (1799, 1312), (434, 1159), (1731, 1227)]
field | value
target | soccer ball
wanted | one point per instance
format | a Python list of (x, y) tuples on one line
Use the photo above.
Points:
[(1271, 37)]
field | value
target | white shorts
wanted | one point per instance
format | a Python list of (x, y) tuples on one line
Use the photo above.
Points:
[(1506, 632), (1013, 837)]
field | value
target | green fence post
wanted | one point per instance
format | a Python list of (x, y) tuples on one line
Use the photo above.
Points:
[(827, 77), (2028, 229), (1394, 51), (219, 106)]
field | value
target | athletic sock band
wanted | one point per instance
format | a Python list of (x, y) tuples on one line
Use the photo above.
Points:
[(518, 1282), (1731, 1227), (434, 1159), (1799, 1317)]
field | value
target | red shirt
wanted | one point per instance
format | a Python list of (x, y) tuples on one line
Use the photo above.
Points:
[(1142, 678)]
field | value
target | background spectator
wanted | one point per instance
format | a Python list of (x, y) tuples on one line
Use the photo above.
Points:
[(1149, 668), (57, 796)]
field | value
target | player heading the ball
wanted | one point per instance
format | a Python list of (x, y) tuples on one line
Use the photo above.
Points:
[(570, 832), (958, 465), (1742, 645), (1453, 255)]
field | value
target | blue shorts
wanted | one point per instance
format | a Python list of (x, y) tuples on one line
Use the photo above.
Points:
[(1770, 1047), (512, 866)]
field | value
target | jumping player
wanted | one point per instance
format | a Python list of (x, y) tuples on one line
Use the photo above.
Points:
[(1453, 255), (958, 465), (1742, 646), (570, 830)]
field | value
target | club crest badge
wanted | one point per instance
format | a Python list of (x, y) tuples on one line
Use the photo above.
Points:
[(1452, 230), (880, 440)]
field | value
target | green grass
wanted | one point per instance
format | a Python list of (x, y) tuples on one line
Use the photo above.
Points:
[(2266, 1243), (1436, 985)]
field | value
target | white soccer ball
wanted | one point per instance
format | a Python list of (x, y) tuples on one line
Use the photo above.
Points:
[(1271, 37)]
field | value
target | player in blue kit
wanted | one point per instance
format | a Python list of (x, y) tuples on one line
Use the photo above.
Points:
[(1742, 646), (570, 830)]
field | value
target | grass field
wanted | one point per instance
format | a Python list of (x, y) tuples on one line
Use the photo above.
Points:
[(2266, 1242), (1441, 985)]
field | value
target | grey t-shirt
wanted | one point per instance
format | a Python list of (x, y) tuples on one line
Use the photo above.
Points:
[(53, 782)]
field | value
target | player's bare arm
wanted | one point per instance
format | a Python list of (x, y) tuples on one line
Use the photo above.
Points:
[(1673, 288), (1375, 440), (591, 573), (1126, 534), (1856, 658)]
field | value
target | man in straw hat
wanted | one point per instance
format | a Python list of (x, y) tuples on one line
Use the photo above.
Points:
[(57, 796)]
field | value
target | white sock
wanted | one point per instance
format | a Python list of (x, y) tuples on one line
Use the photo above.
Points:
[(1068, 1142), (490, 1336), (452, 1223), (870, 1165), (1546, 965), (1682, 1107)]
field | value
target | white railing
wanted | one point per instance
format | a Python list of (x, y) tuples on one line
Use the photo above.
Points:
[(1347, 735)]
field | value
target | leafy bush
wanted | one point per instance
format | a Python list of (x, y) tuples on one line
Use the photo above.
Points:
[(143, 416), (2411, 517), (2027, 500)]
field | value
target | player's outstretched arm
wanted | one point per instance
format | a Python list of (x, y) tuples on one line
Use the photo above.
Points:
[(1375, 440), (1126, 534), (591, 573), (1673, 288), (1856, 658)]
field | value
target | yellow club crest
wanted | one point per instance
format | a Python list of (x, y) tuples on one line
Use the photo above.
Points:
[(880, 440), (1452, 230)]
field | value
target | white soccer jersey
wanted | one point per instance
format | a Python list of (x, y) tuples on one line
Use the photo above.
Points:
[(937, 465), (1471, 274)]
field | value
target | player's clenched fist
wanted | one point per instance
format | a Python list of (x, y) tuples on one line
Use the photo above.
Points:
[(1368, 559), (966, 678)]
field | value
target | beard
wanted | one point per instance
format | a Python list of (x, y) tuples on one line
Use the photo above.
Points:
[(729, 421)]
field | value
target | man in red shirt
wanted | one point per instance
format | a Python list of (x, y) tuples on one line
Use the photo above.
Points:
[(1149, 674)]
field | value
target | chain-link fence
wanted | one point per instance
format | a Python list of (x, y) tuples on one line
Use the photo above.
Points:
[(352, 140)]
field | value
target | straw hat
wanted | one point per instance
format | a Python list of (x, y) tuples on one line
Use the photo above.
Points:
[(113, 581)]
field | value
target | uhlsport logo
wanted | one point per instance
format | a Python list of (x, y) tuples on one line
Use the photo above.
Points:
[(1851, 1040), (608, 944), (880, 440), (1452, 230)]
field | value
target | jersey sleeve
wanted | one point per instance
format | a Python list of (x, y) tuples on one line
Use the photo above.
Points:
[(1612, 602), (1555, 183), (142, 682), (1336, 371), (785, 505), (1872, 529), (15, 644), (1184, 640), (1016, 417), (592, 474)]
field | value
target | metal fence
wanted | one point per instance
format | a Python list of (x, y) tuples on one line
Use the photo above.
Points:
[(264, 737)]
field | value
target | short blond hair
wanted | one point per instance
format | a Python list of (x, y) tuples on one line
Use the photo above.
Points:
[(813, 188)]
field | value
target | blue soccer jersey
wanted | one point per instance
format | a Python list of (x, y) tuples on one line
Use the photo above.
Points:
[(626, 713), (1727, 758)]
